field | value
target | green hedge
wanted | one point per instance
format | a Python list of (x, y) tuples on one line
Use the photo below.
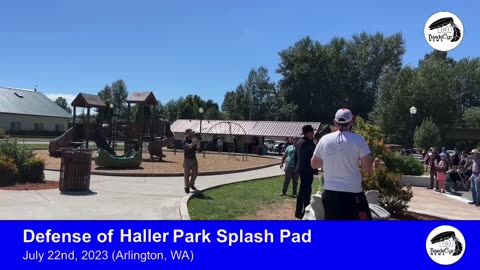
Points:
[(32, 171), (407, 165), (17, 159)]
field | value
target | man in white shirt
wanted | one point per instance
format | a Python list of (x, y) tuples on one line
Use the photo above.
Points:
[(339, 153)]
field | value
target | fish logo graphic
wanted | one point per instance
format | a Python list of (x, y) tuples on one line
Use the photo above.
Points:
[(445, 245), (444, 31)]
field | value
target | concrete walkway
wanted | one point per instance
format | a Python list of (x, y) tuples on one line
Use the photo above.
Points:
[(117, 198), (441, 205)]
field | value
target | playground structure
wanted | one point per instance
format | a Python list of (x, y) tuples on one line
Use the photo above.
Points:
[(105, 132), (225, 127), (131, 159)]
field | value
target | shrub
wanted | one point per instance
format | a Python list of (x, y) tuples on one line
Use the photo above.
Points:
[(8, 171), (19, 153), (3, 133), (373, 136), (407, 165), (393, 196), (32, 171)]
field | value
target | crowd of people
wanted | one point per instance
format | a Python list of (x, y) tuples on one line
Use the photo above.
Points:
[(454, 172), (338, 155)]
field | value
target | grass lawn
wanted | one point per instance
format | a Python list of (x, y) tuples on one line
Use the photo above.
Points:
[(34, 139), (238, 200), (37, 146)]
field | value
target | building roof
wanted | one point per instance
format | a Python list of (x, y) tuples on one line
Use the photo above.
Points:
[(29, 102), (146, 98), (88, 101), (251, 128)]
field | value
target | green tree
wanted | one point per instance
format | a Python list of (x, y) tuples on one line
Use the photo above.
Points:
[(427, 135), (258, 98), (341, 73), (471, 117), (236, 104), (62, 102), (105, 114), (171, 110), (106, 94), (431, 88), (392, 109), (119, 97)]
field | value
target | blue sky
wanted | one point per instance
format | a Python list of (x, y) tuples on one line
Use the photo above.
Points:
[(176, 48)]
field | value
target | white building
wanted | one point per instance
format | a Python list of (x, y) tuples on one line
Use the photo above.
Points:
[(29, 112)]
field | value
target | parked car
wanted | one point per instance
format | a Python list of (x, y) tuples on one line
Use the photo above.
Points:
[(280, 144), (270, 144)]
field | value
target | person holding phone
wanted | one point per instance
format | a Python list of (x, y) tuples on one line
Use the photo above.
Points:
[(190, 164), (339, 154)]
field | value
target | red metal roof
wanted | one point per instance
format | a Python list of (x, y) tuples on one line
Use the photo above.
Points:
[(251, 128)]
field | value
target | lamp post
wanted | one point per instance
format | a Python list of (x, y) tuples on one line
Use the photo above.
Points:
[(201, 119), (114, 127), (413, 112)]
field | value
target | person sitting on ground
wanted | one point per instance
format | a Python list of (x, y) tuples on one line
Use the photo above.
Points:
[(453, 180)]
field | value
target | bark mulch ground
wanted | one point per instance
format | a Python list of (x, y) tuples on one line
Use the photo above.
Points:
[(174, 163), (33, 186)]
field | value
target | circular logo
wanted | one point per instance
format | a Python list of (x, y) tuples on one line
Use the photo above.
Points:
[(445, 245), (443, 31)]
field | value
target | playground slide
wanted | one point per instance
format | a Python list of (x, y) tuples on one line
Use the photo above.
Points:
[(102, 143), (61, 141), (155, 148), (130, 160)]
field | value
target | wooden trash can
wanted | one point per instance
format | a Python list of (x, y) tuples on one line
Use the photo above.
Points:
[(75, 170)]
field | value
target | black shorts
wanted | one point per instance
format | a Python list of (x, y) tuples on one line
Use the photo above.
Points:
[(345, 206)]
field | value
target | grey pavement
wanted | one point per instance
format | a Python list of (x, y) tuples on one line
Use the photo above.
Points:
[(116, 198), (447, 206)]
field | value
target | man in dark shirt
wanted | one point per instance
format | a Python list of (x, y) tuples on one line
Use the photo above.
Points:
[(305, 148), (456, 158), (431, 161), (190, 164)]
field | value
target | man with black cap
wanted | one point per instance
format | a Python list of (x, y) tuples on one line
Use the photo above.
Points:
[(190, 163), (305, 147), (338, 154)]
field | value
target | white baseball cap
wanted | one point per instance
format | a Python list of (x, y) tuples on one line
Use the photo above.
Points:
[(343, 116)]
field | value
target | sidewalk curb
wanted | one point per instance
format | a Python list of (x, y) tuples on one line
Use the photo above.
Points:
[(183, 205), (427, 213)]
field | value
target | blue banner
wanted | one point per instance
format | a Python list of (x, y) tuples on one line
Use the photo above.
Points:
[(236, 244)]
